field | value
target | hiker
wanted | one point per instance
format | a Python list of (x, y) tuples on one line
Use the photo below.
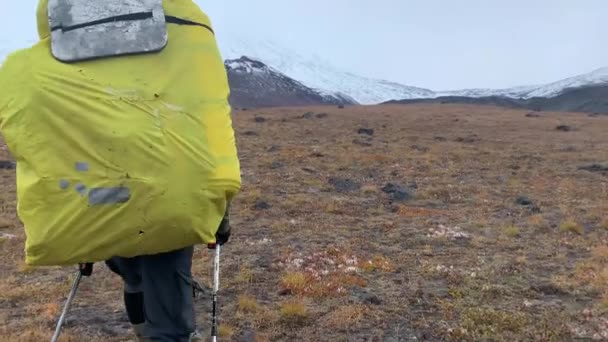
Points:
[(124, 158), (158, 292)]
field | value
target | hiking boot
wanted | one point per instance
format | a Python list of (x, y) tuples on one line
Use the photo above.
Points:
[(138, 331), (196, 337)]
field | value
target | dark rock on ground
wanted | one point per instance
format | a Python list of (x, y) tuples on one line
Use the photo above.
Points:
[(317, 154), (527, 202), (274, 148), (344, 184), (564, 128), (398, 193), (322, 115), (548, 289), (365, 297), (390, 188), (309, 170), (285, 292), (261, 205), (533, 115), (392, 208), (367, 131), (341, 107), (7, 165), (402, 196), (371, 299), (440, 139), (595, 167), (469, 139), (419, 148), (523, 200), (259, 119), (307, 115), (251, 133)]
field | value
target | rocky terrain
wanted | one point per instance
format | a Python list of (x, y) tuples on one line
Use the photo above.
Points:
[(425, 222)]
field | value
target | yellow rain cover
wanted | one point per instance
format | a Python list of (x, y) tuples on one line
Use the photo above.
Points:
[(121, 156)]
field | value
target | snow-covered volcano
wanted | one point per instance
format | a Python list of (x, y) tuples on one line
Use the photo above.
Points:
[(317, 73), (254, 84), (596, 77)]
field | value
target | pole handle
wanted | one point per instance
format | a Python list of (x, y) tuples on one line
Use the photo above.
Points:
[(86, 269)]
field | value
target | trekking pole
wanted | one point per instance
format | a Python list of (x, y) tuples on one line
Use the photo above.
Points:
[(216, 285), (83, 270)]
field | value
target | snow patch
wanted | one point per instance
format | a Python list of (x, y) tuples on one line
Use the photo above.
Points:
[(452, 233), (317, 73)]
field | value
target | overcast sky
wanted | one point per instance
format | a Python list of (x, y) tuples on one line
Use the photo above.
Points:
[(437, 44)]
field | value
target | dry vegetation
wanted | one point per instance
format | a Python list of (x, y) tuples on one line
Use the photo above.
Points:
[(448, 223)]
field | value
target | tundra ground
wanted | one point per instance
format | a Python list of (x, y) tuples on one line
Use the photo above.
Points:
[(379, 223)]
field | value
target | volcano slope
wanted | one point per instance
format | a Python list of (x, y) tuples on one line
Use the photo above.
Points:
[(378, 223)]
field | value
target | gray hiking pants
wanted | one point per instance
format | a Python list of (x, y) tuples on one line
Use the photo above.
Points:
[(165, 280)]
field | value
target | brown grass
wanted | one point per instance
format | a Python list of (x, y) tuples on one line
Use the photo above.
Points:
[(346, 317), (512, 231), (377, 263), (295, 282), (537, 221), (245, 275), (226, 331), (247, 304), (294, 312), (571, 226), (334, 207), (370, 189)]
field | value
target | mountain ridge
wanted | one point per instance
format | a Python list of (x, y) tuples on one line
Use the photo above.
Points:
[(595, 77), (255, 84), (317, 73), (592, 99)]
